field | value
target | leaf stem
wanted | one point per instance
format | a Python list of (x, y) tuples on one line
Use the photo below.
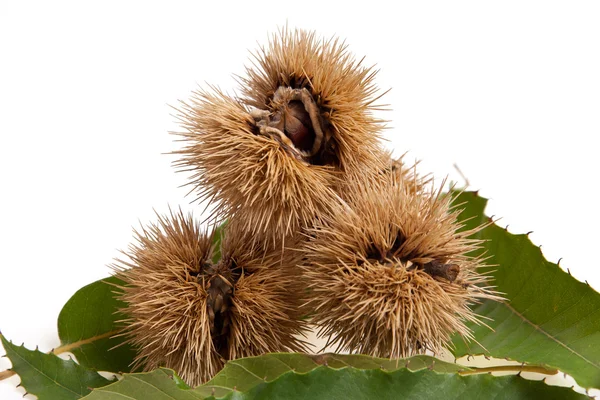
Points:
[(509, 368), (63, 349), (6, 374), (71, 346)]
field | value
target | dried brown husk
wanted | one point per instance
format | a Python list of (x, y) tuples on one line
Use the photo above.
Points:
[(192, 315), (389, 272), (249, 175), (343, 89), (396, 169), (276, 158)]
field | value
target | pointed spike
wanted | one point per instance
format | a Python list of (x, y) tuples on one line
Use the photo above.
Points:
[(569, 271), (528, 233), (587, 283), (37, 348), (558, 262)]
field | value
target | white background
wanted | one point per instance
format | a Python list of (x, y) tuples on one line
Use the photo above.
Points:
[(509, 91)]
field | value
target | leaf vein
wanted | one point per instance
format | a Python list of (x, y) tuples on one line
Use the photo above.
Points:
[(153, 386), (247, 370), (46, 375), (536, 327)]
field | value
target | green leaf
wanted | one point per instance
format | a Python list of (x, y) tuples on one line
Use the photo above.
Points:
[(246, 373), (549, 319), (330, 376), (87, 324), (50, 377), (158, 384)]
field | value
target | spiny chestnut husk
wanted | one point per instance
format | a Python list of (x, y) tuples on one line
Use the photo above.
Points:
[(276, 156), (389, 272), (189, 313), (398, 170), (314, 92), (250, 175)]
